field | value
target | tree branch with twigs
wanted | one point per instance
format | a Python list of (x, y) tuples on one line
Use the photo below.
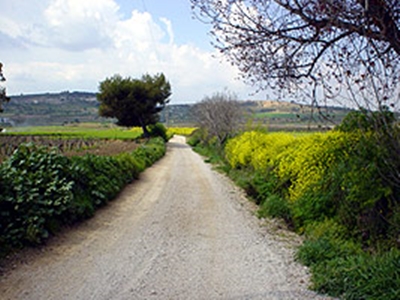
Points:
[(312, 48)]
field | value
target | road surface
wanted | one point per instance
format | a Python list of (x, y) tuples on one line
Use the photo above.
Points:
[(183, 231)]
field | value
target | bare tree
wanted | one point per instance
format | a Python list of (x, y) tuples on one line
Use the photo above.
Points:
[(3, 96), (323, 49), (329, 51), (219, 115)]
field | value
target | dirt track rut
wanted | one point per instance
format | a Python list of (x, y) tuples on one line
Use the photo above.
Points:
[(182, 231)]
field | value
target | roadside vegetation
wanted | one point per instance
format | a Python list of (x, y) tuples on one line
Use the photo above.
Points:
[(45, 186), (336, 188), (341, 188), (186, 131)]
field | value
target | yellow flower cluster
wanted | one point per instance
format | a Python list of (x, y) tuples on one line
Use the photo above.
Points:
[(300, 160), (256, 149), (180, 130), (137, 130)]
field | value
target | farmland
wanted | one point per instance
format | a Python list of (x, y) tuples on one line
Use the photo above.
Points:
[(75, 108), (72, 140)]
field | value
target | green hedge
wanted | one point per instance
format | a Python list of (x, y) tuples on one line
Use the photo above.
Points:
[(340, 189), (41, 190)]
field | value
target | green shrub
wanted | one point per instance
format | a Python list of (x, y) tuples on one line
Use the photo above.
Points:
[(276, 207), (364, 120), (314, 205), (41, 189), (341, 190), (197, 137), (158, 130), (97, 180), (361, 276), (326, 240), (36, 190)]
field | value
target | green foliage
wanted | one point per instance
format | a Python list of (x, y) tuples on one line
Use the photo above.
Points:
[(341, 189), (334, 175), (134, 102), (364, 120), (210, 151), (41, 189), (275, 206), (326, 240), (36, 190), (362, 276), (197, 137), (158, 130)]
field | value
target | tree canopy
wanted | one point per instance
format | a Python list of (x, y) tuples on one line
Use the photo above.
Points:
[(326, 47), (134, 102)]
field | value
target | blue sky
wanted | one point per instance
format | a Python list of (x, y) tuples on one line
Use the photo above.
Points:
[(59, 45)]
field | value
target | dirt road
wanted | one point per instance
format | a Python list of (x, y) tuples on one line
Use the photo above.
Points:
[(182, 231)]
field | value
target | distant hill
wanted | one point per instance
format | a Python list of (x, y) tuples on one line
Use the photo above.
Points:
[(51, 109), (82, 107)]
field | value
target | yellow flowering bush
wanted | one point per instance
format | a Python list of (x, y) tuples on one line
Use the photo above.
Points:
[(337, 188), (306, 162), (301, 160), (256, 149), (180, 130), (239, 150)]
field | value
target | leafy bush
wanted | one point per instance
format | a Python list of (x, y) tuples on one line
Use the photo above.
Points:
[(326, 240), (276, 207), (197, 137), (41, 189), (257, 149), (36, 190), (158, 130), (362, 276), (341, 189), (318, 176), (364, 120)]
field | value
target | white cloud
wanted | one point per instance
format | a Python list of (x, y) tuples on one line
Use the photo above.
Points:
[(74, 44), (79, 25)]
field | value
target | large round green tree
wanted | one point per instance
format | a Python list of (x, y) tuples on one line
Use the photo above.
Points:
[(134, 102)]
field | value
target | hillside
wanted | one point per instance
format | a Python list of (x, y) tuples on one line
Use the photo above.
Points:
[(51, 109), (82, 107)]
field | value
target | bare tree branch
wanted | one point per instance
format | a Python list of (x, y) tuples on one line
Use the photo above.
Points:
[(219, 115), (288, 44)]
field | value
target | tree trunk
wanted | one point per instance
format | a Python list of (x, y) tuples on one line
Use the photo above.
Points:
[(146, 133)]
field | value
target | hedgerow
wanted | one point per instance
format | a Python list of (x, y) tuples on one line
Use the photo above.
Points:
[(41, 190), (339, 189)]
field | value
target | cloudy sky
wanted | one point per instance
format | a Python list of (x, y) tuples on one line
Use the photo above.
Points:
[(60, 45)]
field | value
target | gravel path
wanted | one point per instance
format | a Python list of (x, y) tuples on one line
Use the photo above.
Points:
[(182, 231)]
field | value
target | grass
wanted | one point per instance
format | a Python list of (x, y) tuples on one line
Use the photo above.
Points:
[(85, 131)]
